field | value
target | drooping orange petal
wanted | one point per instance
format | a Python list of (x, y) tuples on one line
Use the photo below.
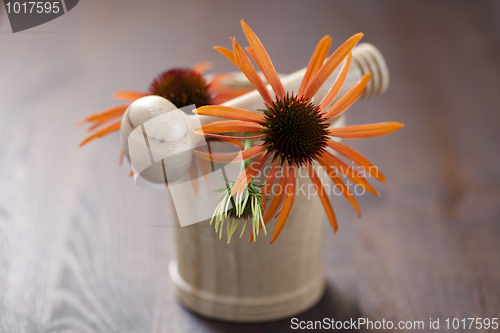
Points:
[(193, 176), (222, 89), (287, 205), (247, 68), (269, 182), (202, 67), (217, 84), (105, 115), (365, 131), (122, 153), (223, 97), (349, 172), (317, 60), (278, 197), (204, 166), (334, 90), (218, 78), (348, 99), (332, 173), (227, 126), (226, 53), (230, 112), (264, 61), (252, 55), (245, 177), (266, 191), (231, 157), (323, 197), (233, 141), (129, 95), (357, 158), (329, 66), (106, 130), (229, 137), (98, 123)]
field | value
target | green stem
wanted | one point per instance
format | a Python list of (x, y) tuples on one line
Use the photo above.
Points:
[(247, 144)]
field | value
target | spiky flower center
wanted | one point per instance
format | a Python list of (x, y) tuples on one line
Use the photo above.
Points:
[(182, 87), (295, 130)]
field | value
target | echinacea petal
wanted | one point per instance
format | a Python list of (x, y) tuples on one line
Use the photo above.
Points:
[(365, 131), (264, 61), (266, 190), (193, 176), (247, 68), (231, 157), (218, 78), (357, 158), (323, 197), (329, 66), (233, 141), (98, 124), (226, 53), (202, 67), (252, 55), (349, 98), (215, 83), (105, 115), (219, 136), (245, 177), (269, 182), (276, 202), (225, 96), (230, 112), (228, 126), (106, 130), (129, 95), (287, 205), (349, 172), (105, 119), (334, 90), (317, 60), (204, 166), (332, 173)]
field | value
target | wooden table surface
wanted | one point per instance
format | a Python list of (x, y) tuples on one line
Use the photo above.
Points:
[(80, 245)]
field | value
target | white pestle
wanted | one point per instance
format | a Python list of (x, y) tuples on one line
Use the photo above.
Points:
[(169, 131)]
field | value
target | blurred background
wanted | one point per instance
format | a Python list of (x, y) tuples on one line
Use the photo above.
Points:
[(82, 249)]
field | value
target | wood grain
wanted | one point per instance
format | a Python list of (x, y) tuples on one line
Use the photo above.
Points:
[(82, 249)]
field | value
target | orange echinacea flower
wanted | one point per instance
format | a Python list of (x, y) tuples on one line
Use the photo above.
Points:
[(295, 132)]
